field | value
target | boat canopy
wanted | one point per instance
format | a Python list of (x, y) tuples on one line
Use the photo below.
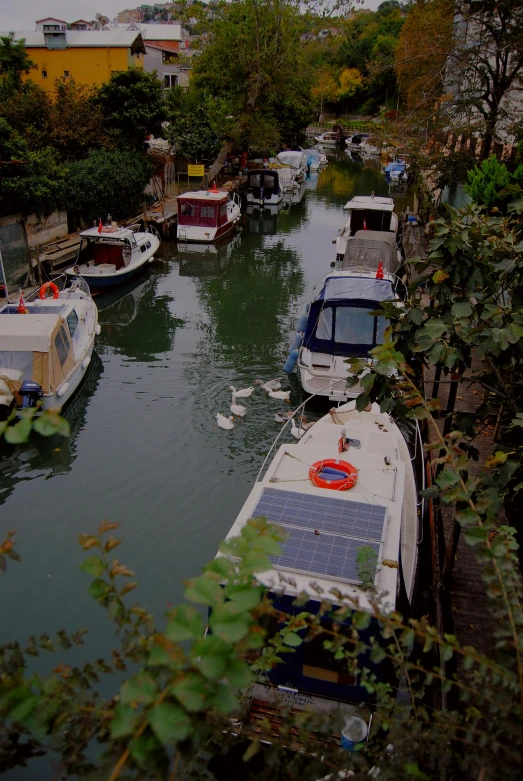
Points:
[(397, 165), (38, 345), (367, 249), (203, 208), (339, 322), (378, 202), (266, 178), (294, 159)]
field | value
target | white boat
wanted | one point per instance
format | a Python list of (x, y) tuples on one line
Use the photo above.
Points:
[(263, 187), (329, 138), (326, 527), (338, 324), (368, 146), (355, 141), (366, 212), (296, 162), (45, 351), (207, 215), (110, 255), (316, 159)]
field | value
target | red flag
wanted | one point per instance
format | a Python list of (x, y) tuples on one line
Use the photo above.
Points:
[(364, 224), (379, 272), (22, 309), (100, 226)]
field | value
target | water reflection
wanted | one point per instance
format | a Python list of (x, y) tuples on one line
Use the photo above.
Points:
[(262, 220), (123, 313), (206, 260), (49, 456)]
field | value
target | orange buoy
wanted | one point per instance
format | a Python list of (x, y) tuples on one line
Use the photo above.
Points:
[(45, 287), (344, 475)]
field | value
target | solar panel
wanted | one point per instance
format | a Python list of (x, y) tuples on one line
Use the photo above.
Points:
[(344, 527), (337, 516)]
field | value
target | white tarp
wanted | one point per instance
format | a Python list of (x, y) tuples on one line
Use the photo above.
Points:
[(27, 332)]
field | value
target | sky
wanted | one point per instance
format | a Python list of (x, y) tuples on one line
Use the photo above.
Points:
[(22, 14)]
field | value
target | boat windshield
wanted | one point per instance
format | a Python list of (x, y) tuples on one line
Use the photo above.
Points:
[(347, 329)]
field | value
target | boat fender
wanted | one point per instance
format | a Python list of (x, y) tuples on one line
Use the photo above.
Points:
[(63, 389), (296, 342), (86, 361), (291, 361), (43, 290), (321, 474), (302, 325), (98, 329)]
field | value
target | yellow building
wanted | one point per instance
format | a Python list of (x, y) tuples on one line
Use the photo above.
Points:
[(90, 56)]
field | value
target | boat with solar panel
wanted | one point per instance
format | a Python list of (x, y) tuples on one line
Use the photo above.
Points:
[(339, 323), (46, 344), (366, 212), (347, 484), (110, 255)]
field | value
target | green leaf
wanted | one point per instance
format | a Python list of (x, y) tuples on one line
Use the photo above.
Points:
[(49, 423), (475, 534), (229, 622), (212, 655), (292, 639), (24, 708), (144, 751), (430, 493), (446, 653), (124, 721), (461, 309), (362, 401), (238, 673), (99, 589), (439, 276), (19, 432), (434, 328), (267, 545), (224, 699), (361, 619), (246, 597), (185, 623), (204, 590), (377, 654), (140, 688), (93, 565), (190, 691), (169, 723), (447, 477)]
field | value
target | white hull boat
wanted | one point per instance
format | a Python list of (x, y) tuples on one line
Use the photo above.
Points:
[(366, 212), (326, 527), (264, 188), (207, 215), (110, 255), (328, 139), (46, 350)]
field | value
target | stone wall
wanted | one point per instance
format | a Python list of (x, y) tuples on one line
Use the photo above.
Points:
[(43, 230)]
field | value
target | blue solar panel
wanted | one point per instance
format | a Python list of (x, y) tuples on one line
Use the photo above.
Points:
[(344, 527), (337, 516)]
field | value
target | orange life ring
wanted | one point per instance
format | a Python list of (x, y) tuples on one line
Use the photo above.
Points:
[(336, 484), (43, 290)]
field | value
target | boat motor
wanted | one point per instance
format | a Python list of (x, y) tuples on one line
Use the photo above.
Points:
[(31, 393)]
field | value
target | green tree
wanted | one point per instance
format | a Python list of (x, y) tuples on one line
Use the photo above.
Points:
[(77, 123), (191, 129), (14, 63), (485, 183), (28, 110), (107, 181), (132, 105)]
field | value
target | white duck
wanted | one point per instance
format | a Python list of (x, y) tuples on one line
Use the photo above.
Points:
[(295, 431), (283, 416), (238, 409), (281, 395), (244, 393), (224, 422), (269, 385)]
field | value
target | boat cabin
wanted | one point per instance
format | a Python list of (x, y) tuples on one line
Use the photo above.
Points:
[(262, 185), (371, 213), (368, 248), (203, 209), (109, 249)]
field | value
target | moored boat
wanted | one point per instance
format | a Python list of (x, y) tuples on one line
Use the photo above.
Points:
[(110, 255), (263, 187), (46, 345), (366, 212), (326, 528), (328, 138), (296, 162), (207, 215), (316, 159)]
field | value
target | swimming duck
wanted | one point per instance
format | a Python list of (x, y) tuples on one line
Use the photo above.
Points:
[(269, 385), (295, 431), (283, 416), (281, 395), (224, 422), (238, 409), (244, 393)]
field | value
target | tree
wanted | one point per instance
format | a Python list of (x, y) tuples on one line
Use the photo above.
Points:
[(326, 87), (190, 128), (132, 105), (29, 181), (108, 181), (14, 63), (77, 123), (489, 183), (28, 111)]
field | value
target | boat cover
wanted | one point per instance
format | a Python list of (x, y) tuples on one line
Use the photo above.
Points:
[(368, 248), (294, 159), (339, 322)]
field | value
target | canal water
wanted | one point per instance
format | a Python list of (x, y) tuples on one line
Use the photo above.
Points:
[(144, 449)]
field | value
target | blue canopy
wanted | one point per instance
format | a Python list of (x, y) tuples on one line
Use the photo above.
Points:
[(395, 166)]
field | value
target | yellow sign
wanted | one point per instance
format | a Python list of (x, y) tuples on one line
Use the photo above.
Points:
[(195, 170)]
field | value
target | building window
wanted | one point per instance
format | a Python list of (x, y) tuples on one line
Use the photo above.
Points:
[(66, 74), (170, 80), (168, 58), (44, 74)]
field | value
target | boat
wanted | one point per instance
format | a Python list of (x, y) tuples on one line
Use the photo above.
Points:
[(207, 215), (338, 324), (263, 187), (46, 345), (328, 138), (368, 146), (355, 141), (296, 162), (326, 527), (316, 159), (109, 255), (396, 172), (367, 212)]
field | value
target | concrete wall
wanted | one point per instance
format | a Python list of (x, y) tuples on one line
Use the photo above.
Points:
[(87, 65), (43, 230)]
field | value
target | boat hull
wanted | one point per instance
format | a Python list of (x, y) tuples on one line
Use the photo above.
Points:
[(199, 234), (53, 400)]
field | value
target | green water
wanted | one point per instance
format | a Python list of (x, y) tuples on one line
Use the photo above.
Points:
[(144, 448)]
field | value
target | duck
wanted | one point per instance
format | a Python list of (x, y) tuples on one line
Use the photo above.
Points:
[(224, 422), (269, 385), (295, 431), (283, 416), (238, 409), (244, 393), (281, 395)]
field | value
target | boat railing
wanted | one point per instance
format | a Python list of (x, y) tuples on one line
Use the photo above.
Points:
[(291, 417), (420, 504), (62, 281)]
